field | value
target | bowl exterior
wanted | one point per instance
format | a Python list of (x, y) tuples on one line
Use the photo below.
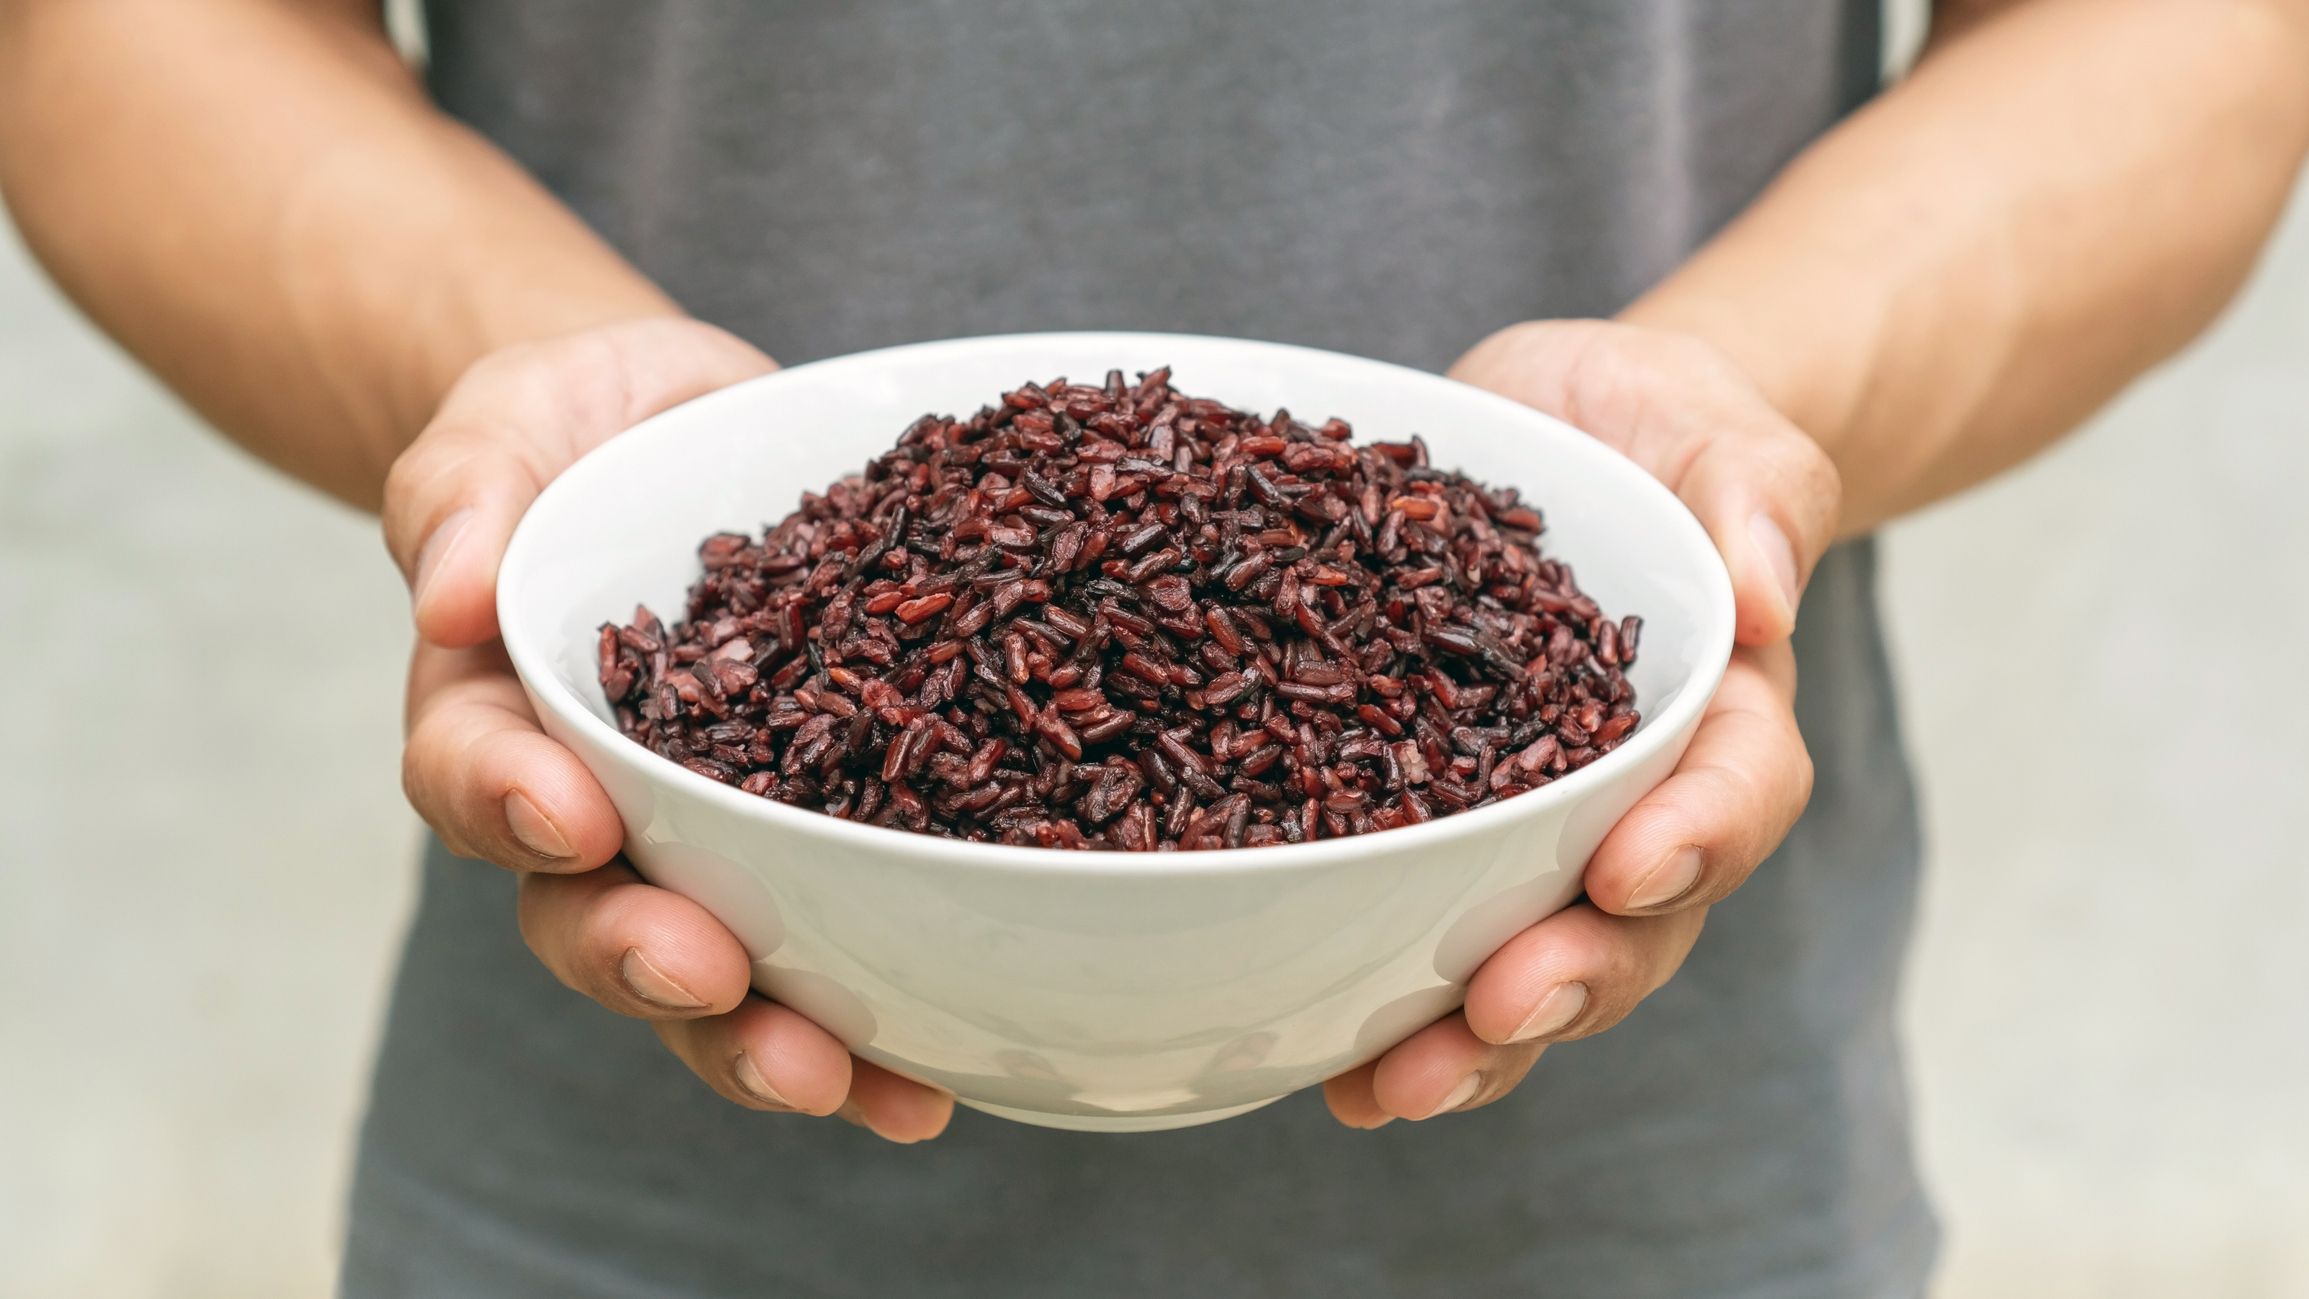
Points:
[(1109, 1001), (1097, 990)]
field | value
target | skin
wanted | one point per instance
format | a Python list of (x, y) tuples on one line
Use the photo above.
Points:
[(371, 297)]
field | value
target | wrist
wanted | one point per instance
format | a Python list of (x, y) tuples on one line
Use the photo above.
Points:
[(1819, 382), (1796, 382)]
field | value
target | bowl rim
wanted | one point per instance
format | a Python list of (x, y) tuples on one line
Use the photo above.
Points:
[(546, 689)]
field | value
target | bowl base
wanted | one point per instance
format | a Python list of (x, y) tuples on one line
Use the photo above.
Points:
[(1116, 1122)]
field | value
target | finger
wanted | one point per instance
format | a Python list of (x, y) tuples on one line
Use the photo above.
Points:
[(1770, 498), (488, 781), (763, 1056), (1576, 973), (451, 502), (1735, 795), (894, 1108), (509, 426), (1351, 1101), (1444, 1069), (635, 948)]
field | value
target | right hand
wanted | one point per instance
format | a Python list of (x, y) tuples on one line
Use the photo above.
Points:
[(494, 786)]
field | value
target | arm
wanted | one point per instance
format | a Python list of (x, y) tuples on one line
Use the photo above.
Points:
[(256, 198), (282, 227), (2062, 194)]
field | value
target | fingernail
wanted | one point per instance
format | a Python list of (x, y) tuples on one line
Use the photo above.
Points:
[(1778, 556), (536, 833), (758, 1087), (1459, 1096), (653, 985), (1668, 881), (435, 553), (1558, 1008)]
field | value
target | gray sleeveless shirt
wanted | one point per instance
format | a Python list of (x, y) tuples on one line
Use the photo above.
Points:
[(1378, 176)]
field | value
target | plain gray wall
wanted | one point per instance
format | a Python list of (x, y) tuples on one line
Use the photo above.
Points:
[(207, 858)]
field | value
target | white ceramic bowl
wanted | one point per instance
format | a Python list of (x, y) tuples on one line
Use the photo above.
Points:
[(1097, 990)]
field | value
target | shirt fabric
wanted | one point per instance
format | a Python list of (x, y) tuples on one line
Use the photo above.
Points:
[(1382, 177)]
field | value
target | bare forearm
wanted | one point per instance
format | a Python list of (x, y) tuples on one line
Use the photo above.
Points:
[(2060, 196), (257, 199)]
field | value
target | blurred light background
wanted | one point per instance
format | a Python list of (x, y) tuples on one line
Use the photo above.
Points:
[(207, 860)]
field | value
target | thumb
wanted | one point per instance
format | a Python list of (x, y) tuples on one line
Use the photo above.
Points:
[(1770, 497), (511, 425)]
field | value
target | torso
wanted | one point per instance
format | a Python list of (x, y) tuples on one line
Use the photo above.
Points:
[(1378, 177)]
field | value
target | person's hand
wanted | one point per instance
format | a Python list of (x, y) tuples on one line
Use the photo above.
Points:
[(493, 785), (1769, 497)]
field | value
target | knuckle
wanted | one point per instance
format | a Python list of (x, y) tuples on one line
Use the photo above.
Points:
[(1524, 334), (400, 480), (1812, 459), (1486, 363), (425, 782), (414, 784), (1629, 966), (1668, 361), (402, 500), (1807, 475), (1685, 354), (1597, 952), (509, 366), (486, 762), (1606, 1007), (1806, 772), (1813, 466), (1615, 995), (1725, 796), (1507, 1073), (532, 908), (1749, 792), (589, 952), (419, 486), (542, 917), (438, 755), (420, 461), (456, 777), (613, 921), (456, 451)]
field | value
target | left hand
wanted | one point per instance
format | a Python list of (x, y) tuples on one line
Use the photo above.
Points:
[(1770, 497), (484, 775)]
